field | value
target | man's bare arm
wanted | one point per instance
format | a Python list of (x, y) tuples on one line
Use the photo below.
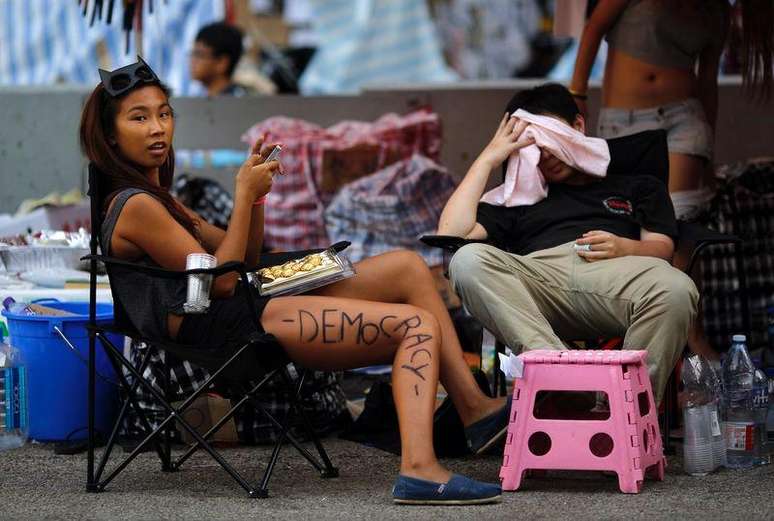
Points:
[(653, 244), (459, 215)]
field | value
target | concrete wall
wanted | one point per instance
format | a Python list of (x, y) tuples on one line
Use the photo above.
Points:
[(38, 144), (39, 150), (471, 113)]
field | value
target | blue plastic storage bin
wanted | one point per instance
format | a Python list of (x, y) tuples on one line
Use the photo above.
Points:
[(58, 377)]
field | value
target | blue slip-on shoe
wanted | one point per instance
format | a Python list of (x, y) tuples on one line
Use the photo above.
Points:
[(487, 431), (459, 490)]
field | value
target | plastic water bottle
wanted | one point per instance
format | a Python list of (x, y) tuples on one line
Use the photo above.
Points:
[(17, 308), (718, 441), (22, 308), (700, 417), (739, 413), (761, 405), (13, 397)]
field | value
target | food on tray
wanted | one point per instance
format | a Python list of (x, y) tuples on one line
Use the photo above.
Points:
[(310, 265), (300, 275)]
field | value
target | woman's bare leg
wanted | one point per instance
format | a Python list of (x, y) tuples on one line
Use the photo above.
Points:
[(403, 277), (338, 333)]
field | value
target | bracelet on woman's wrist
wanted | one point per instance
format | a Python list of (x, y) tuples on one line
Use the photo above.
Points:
[(579, 95)]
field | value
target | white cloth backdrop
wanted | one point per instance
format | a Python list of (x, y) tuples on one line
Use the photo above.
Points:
[(43, 42)]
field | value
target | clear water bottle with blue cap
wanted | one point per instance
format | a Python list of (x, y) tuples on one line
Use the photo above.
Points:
[(738, 411), (14, 424)]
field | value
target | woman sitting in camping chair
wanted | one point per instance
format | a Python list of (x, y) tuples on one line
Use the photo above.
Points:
[(126, 132)]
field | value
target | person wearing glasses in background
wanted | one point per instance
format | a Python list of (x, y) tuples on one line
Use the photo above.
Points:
[(216, 53)]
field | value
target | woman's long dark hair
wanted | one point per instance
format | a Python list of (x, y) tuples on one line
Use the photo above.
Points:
[(757, 46), (752, 37), (98, 124)]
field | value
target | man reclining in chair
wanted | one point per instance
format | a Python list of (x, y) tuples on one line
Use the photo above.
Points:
[(589, 259)]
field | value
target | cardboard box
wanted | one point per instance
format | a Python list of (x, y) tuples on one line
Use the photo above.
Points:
[(203, 413), (344, 165)]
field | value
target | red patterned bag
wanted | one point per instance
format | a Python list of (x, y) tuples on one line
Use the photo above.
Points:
[(318, 161)]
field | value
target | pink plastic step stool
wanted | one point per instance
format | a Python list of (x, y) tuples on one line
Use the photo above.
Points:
[(628, 442)]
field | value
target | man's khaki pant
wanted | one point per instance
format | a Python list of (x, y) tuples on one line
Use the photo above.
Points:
[(532, 301)]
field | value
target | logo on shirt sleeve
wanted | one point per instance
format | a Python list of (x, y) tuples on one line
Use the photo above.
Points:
[(618, 205)]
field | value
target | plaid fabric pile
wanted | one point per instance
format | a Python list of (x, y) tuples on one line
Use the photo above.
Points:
[(205, 197), (322, 398), (315, 160), (391, 209), (744, 206)]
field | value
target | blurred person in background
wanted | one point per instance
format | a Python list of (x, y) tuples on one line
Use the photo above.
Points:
[(661, 72), (487, 39), (216, 53)]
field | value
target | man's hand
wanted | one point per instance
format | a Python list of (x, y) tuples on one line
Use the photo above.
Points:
[(505, 141), (604, 245), (458, 217), (255, 177)]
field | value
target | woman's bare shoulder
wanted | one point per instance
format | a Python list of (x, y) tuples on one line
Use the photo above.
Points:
[(143, 204), (140, 213), (145, 226)]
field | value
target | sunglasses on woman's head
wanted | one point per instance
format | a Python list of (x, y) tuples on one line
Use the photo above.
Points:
[(121, 81)]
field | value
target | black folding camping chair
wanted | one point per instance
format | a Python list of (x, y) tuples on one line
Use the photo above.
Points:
[(227, 375)]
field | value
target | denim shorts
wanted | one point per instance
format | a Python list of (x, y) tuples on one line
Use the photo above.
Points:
[(684, 121)]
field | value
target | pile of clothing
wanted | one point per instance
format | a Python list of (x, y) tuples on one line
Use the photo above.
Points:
[(743, 206), (377, 184)]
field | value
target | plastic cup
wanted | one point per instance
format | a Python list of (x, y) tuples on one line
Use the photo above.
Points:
[(699, 456), (198, 293)]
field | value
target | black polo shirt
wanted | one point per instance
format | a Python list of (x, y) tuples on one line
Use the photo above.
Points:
[(620, 204)]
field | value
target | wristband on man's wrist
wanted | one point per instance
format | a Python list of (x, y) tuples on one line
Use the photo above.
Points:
[(260, 201), (578, 94)]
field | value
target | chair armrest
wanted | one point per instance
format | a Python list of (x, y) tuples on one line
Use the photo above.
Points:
[(153, 271), (696, 235), (449, 243), (693, 238)]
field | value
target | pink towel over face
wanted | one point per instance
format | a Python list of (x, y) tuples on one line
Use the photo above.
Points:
[(524, 183)]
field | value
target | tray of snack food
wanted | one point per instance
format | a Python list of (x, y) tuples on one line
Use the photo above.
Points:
[(304, 274)]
